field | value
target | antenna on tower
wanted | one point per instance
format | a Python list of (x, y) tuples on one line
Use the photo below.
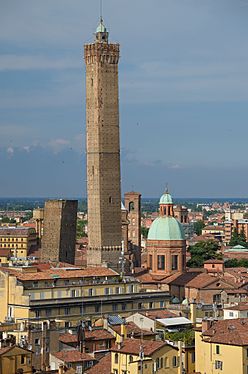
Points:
[(101, 18)]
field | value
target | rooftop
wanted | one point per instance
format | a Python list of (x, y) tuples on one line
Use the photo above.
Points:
[(73, 356), (132, 346), (57, 273), (241, 306), (102, 367), (229, 331), (98, 334)]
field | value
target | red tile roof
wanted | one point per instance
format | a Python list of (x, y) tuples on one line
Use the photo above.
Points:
[(98, 334), (102, 367), (241, 306), (229, 331), (62, 273), (203, 280), (73, 356), (132, 346), (5, 252), (213, 261), (132, 330), (159, 314)]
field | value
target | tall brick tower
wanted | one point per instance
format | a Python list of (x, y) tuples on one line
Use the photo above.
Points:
[(133, 206), (103, 150)]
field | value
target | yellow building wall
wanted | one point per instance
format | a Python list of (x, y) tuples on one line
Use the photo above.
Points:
[(132, 366), (15, 359), (234, 358)]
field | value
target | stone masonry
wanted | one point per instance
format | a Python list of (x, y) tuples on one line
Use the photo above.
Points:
[(59, 237), (103, 151)]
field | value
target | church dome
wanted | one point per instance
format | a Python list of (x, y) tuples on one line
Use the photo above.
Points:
[(166, 199), (166, 228)]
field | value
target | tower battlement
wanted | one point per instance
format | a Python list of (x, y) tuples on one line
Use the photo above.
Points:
[(101, 53)]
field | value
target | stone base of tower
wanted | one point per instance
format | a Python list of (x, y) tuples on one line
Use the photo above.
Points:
[(104, 257)]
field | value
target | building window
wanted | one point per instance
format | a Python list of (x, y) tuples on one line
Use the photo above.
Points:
[(193, 357), (106, 291), (139, 305), (130, 358), (161, 304), (131, 288), (174, 262), (117, 290), (230, 314), (114, 307), (97, 308), (161, 262), (23, 360), (150, 305), (90, 292), (218, 365), (37, 313), (217, 349), (131, 206), (166, 361), (36, 341), (150, 261), (67, 311), (174, 361), (48, 312), (116, 358), (123, 306)]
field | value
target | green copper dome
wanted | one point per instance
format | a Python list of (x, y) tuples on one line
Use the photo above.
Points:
[(166, 199), (101, 27), (166, 228)]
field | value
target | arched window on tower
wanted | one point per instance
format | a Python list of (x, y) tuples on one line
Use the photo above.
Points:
[(131, 206)]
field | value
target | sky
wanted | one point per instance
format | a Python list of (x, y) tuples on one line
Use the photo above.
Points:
[(183, 78)]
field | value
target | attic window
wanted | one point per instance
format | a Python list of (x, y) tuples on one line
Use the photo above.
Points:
[(217, 284)]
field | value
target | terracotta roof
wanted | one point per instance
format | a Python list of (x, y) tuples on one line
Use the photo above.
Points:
[(132, 330), (102, 367), (203, 280), (228, 331), (73, 356), (214, 261), (4, 350), (159, 314), (48, 265), (19, 231), (236, 291), (62, 273), (240, 306), (180, 279), (5, 252), (132, 346), (98, 334)]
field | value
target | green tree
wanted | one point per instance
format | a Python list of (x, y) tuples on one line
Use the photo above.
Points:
[(198, 226), (144, 231), (234, 263), (81, 228), (238, 238), (203, 251), (6, 219)]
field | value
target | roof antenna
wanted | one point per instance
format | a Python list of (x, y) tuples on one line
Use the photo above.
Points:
[(101, 18)]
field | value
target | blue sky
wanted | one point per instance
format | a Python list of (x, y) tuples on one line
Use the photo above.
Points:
[(183, 95)]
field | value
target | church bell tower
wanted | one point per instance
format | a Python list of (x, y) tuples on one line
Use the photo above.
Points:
[(103, 150)]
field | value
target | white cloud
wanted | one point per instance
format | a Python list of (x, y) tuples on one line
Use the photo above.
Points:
[(37, 62)]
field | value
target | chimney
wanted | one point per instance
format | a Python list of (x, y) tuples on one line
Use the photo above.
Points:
[(61, 369), (206, 324), (123, 331), (193, 312)]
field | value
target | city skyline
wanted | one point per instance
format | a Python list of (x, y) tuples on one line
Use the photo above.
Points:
[(183, 96)]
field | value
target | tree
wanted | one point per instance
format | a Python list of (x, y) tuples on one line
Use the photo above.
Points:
[(198, 226), (144, 231), (203, 251), (234, 263), (238, 238), (81, 228)]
